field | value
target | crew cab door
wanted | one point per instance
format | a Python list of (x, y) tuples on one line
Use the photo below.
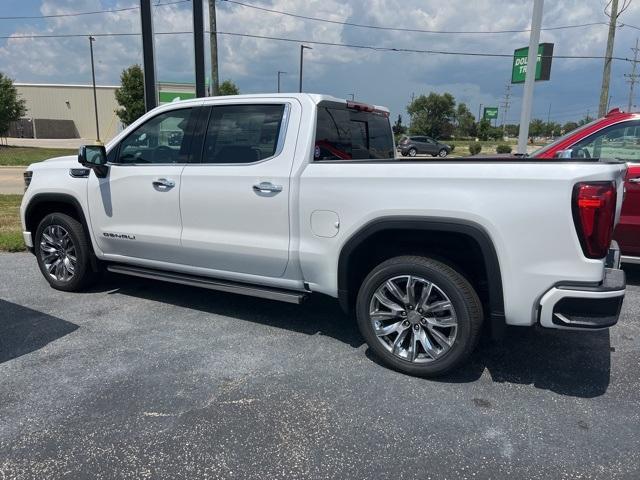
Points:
[(135, 209), (235, 203)]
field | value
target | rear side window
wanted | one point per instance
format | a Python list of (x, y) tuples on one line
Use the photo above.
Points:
[(242, 133), (344, 134)]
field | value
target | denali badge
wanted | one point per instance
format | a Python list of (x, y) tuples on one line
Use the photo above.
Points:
[(123, 236)]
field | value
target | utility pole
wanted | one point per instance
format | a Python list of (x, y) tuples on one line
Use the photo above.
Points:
[(549, 114), (479, 112), (633, 76), (279, 73), (148, 61), (198, 47), (302, 47), (530, 77), (95, 97), (606, 73), (506, 103), (213, 43)]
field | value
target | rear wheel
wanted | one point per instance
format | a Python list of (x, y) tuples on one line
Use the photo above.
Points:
[(63, 253), (419, 315)]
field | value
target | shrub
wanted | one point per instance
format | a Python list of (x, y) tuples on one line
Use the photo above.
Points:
[(474, 148), (503, 148)]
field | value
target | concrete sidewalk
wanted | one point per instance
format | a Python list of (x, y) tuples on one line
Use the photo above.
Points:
[(50, 142), (11, 180)]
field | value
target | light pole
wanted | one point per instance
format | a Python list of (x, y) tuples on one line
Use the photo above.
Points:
[(302, 47), (279, 73), (95, 97)]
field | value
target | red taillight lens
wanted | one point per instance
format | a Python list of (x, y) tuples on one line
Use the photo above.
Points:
[(594, 210)]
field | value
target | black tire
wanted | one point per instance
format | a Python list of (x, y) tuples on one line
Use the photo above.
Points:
[(465, 301), (412, 152), (83, 274), (404, 154), (443, 153)]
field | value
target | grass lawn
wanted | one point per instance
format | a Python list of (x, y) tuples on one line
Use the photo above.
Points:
[(10, 227), (23, 156)]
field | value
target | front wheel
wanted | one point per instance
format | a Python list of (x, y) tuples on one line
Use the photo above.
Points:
[(443, 153), (63, 253), (419, 315), (413, 152)]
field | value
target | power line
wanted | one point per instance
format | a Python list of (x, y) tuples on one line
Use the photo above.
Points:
[(95, 12), (318, 42), (400, 29)]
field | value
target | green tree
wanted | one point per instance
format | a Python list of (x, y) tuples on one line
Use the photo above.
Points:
[(484, 129), (398, 127), (536, 128), (228, 88), (512, 129), (465, 121), (130, 96), (12, 107), (569, 126), (432, 114), (552, 129)]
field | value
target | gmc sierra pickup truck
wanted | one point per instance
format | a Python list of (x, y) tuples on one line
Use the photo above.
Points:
[(282, 196)]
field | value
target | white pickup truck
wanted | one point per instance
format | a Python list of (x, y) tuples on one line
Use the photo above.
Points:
[(281, 196)]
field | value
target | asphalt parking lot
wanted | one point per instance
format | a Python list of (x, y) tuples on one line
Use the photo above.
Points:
[(139, 379)]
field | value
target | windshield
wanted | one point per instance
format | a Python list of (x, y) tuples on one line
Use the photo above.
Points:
[(541, 150)]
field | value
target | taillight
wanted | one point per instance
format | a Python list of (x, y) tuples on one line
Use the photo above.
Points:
[(594, 210)]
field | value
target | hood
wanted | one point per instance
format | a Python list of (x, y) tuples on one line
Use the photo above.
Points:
[(69, 161)]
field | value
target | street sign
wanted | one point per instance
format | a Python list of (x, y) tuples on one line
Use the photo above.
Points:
[(543, 65), (490, 113)]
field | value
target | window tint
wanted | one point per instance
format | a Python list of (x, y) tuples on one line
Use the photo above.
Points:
[(242, 133), (343, 134), (161, 139), (617, 141)]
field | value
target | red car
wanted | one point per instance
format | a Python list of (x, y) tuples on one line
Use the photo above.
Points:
[(617, 135)]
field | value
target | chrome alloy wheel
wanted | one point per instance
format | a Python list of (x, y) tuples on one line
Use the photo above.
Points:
[(58, 253), (413, 319)]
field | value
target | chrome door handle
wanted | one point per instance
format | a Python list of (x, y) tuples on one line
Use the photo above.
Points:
[(634, 180), (267, 187), (163, 182)]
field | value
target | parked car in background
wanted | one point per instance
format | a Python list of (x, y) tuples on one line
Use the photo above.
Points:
[(616, 135), (411, 146)]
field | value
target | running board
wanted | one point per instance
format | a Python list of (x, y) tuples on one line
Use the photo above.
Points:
[(204, 282)]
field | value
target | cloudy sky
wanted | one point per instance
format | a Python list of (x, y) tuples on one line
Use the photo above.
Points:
[(387, 78)]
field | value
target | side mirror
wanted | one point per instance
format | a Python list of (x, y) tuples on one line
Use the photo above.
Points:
[(568, 153), (94, 157)]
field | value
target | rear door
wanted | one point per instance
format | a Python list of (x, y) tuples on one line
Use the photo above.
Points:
[(235, 202)]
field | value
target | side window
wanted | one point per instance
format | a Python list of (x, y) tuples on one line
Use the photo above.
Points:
[(162, 139), (617, 141), (343, 134), (242, 133)]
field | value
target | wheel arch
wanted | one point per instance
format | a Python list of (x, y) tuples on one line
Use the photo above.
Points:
[(42, 204), (363, 241)]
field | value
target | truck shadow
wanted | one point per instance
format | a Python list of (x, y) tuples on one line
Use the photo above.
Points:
[(23, 330), (576, 364), (633, 274), (568, 363)]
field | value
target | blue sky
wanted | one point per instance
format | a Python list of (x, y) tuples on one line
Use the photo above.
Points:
[(385, 78)]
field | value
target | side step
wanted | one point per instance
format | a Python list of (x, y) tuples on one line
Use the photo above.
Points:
[(280, 295)]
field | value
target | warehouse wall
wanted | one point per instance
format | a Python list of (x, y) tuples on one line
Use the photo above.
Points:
[(73, 102)]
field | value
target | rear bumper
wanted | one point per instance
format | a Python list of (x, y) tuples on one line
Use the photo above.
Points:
[(577, 307)]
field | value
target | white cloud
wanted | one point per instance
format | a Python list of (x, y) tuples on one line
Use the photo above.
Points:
[(380, 77)]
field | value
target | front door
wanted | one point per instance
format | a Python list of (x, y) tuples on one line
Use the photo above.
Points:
[(135, 209), (235, 203)]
